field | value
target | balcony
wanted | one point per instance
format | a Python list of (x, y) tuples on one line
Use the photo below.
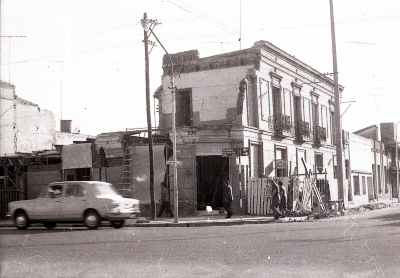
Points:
[(281, 125), (320, 135), (303, 132), (392, 167)]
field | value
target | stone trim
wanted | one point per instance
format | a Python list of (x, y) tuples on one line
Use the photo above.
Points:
[(275, 79), (296, 89)]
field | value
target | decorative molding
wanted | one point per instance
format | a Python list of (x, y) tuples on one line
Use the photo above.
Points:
[(314, 97), (331, 105), (275, 79), (296, 89)]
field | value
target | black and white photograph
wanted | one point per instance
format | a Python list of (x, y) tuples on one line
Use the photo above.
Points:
[(186, 138)]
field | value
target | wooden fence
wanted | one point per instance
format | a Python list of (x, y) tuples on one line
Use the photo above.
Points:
[(258, 196), (7, 195)]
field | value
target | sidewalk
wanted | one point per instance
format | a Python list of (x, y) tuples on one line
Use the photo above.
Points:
[(186, 221), (215, 218)]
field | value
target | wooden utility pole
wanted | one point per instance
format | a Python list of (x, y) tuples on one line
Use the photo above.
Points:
[(149, 128), (337, 119)]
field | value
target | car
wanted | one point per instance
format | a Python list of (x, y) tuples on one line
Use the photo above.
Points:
[(88, 202)]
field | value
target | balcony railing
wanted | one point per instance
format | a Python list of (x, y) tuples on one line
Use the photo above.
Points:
[(281, 125), (303, 132), (392, 167), (319, 135)]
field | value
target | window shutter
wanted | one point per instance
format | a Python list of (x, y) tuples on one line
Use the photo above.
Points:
[(288, 103), (306, 110), (265, 103), (324, 116), (270, 99), (283, 100)]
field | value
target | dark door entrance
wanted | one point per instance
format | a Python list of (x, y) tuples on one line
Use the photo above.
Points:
[(210, 170), (78, 174)]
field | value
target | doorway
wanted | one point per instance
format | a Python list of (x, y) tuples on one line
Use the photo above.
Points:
[(78, 174), (210, 170)]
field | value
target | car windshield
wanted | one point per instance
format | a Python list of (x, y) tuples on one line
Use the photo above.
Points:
[(105, 189)]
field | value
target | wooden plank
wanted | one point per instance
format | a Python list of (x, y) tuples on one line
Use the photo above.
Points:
[(258, 197), (264, 199), (249, 194), (250, 197), (254, 197)]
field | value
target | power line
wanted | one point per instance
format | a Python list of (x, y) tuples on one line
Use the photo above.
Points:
[(9, 53)]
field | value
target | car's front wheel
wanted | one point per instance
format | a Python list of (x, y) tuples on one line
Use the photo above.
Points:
[(21, 221), (118, 224), (92, 219), (49, 225)]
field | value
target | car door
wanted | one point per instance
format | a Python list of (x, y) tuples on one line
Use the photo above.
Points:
[(48, 206), (74, 202)]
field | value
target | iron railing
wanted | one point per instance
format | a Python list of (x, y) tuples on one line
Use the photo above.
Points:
[(281, 125)]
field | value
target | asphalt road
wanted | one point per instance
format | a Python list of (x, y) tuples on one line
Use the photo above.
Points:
[(363, 245)]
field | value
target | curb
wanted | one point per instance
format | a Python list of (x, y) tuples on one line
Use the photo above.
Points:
[(198, 223), (142, 222)]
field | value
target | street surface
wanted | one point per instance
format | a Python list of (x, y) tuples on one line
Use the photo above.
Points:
[(362, 245)]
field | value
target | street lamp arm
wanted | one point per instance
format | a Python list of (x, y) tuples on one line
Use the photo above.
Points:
[(169, 56)]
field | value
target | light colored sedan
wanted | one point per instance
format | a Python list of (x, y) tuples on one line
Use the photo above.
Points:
[(89, 202)]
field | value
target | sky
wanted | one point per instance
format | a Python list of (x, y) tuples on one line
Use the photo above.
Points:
[(84, 59)]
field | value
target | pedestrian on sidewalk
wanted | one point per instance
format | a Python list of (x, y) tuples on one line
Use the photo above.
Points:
[(276, 200), (165, 201), (228, 197), (283, 202)]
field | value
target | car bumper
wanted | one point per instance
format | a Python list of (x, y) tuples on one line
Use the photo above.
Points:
[(121, 215)]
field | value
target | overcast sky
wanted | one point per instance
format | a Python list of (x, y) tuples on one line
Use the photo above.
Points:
[(91, 53)]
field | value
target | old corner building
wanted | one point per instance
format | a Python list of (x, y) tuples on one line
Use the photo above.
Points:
[(261, 98)]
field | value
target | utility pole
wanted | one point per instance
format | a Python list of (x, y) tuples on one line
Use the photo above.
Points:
[(9, 53), (337, 118), (145, 24), (149, 128)]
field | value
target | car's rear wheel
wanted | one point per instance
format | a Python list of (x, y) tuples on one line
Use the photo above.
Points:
[(118, 224), (49, 225), (92, 219), (21, 221)]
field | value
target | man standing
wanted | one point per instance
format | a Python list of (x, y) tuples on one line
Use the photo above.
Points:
[(283, 203), (276, 199), (165, 201), (228, 197)]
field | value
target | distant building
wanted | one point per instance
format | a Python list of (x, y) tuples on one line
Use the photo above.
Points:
[(24, 126), (371, 155), (389, 138), (30, 147)]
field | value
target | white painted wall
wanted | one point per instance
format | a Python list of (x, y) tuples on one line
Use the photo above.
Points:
[(361, 156), (6, 119), (213, 91), (34, 127)]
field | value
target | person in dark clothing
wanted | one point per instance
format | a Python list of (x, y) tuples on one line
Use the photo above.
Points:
[(275, 199), (165, 201), (283, 202), (228, 198)]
